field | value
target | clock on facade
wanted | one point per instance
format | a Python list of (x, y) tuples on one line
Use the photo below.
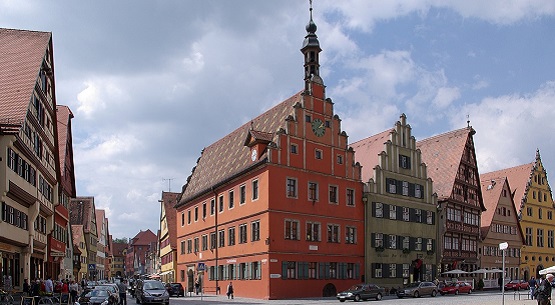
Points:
[(254, 154), (318, 127)]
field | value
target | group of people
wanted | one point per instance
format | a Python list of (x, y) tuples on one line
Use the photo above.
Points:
[(541, 289), (38, 288)]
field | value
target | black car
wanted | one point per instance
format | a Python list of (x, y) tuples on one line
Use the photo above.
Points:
[(361, 292), (175, 289)]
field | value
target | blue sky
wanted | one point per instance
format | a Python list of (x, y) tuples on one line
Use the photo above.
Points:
[(153, 82)]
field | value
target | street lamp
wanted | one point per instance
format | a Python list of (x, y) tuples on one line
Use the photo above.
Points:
[(503, 246)]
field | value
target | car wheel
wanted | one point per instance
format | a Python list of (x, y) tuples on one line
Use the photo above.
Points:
[(456, 292), (442, 293), (341, 301), (434, 293), (416, 294), (379, 297), (470, 291), (400, 297), (357, 298), (517, 288)]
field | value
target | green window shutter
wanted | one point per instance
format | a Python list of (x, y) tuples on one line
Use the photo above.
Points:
[(284, 270), (225, 273), (412, 243), (411, 189), (342, 274), (385, 210), (399, 187), (399, 271), (357, 271), (321, 271), (327, 270), (385, 270)]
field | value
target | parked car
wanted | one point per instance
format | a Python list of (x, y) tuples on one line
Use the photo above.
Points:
[(456, 288), (97, 297), (151, 291), (517, 285), (175, 289), (418, 289), (361, 292)]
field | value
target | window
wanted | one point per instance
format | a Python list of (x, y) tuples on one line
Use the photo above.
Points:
[(529, 236), (255, 230), (291, 187), (350, 197), (333, 233), (418, 191), (204, 242), (196, 213), (293, 148), (350, 235), (404, 162), (406, 214), (221, 238), (391, 186), (430, 217), (189, 246), (231, 199), (254, 190), (203, 210), (307, 118), (196, 244), (333, 194), (312, 270), (406, 242), (243, 233), (291, 270), (378, 240), (540, 214), (318, 154), (313, 191), (540, 238), (212, 206), (291, 229), (313, 231), (392, 270), (182, 243), (378, 270), (221, 204), (182, 219), (405, 188), (392, 212), (550, 215), (379, 210), (392, 242), (189, 217), (339, 159), (418, 215), (550, 239), (242, 194), (418, 244), (333, 270), (231, 236)]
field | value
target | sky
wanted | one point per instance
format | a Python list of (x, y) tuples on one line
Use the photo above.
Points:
[(151, 83)]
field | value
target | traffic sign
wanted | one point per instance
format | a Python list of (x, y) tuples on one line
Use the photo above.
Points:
[(201, 267), (92, 266)]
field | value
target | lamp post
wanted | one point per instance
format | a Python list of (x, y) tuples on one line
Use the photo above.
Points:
[(503, 246)]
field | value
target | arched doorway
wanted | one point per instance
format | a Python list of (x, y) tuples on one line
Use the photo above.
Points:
[(329, 290), (538, 268)]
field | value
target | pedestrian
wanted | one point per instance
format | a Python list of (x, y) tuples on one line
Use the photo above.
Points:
[(73, 289), (26, 288), (500, 283), (543, 293), (122, 287), (229, 291), (197, 286), (7, 283), (48, 286), (532, 285)]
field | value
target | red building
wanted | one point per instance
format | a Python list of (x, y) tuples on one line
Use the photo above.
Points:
[(135, 261), (275, 206)]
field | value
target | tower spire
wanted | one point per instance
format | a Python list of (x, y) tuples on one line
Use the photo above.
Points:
[(311, 50)]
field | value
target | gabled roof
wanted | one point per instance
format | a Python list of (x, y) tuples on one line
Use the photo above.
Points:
[(81, 211), (491, 193), (518, 177), (21, 56), (367, 152), (64, 116), (229, 156), (169, 200), (442, 155), (118, 248), (99, 220), (144, 238)]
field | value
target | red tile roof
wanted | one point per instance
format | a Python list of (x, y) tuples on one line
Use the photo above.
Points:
[(228, 156), (367, 152), (144, 238), (518, 177), (21, 56), (491, 193), (442, 155), (117, 248), (81, 211)]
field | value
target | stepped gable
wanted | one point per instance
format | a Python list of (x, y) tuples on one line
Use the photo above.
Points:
[(367, 152), (229, 156), (21, 57), (442, 155), (491, 185), (518, 177)]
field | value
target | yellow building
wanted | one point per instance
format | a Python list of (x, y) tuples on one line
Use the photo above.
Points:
[(168, 237), (534, 204), (79, 240)]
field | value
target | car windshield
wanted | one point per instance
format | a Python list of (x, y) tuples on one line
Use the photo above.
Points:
[(355, 287), (176, 285), (99, 293), (101, 287), (153, 285), (513, 282), (415, 284)]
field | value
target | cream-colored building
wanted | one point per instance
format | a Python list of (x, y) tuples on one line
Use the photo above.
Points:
[(168, 237), (80, 242)]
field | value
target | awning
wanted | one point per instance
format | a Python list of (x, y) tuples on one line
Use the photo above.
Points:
[(166, 272)]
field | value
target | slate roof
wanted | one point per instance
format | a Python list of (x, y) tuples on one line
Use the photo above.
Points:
[(228, 156), (518, 177), (367, 152), (170, 199), (21, 56), (442, 155)]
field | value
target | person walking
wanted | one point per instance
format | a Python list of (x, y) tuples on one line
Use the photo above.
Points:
[(532, 285), (26, 288), (73, 291), (229, 291), (49, 286), (543, 293), (122, 287)]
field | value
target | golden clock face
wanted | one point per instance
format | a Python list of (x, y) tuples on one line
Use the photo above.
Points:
[(318, 127)]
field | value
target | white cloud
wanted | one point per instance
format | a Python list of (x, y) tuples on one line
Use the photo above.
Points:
[(445, 97)]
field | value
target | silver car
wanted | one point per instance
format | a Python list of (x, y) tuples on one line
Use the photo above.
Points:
[(151, 291), (418, 289)]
